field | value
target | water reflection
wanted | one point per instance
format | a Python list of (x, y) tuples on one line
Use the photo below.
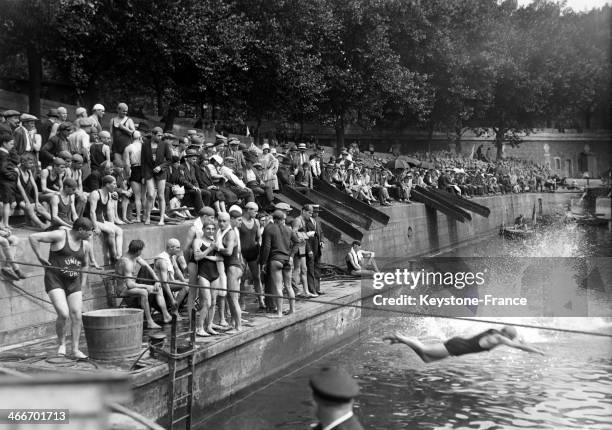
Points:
[(503, 389)]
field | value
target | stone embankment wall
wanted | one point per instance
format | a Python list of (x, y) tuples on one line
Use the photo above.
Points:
[(412, 231)]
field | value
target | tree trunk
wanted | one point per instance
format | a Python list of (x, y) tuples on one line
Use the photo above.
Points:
[(430, 131), (499, 144), (339, 133), (35, 78), (587, 119), (92, 94), (169, 119)]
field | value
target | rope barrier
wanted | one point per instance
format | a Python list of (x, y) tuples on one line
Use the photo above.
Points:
[(335, 304)]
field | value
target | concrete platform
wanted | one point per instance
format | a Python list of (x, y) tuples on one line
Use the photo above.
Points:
[(225, 364)]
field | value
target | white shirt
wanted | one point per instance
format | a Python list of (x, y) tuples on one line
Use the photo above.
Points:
[(316, 167), (79, 140)]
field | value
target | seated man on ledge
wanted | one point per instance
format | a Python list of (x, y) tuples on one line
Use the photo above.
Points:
[(357, 263), (484, 341), (137, 294)]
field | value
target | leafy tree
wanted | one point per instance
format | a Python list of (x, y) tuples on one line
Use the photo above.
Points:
[(29, 27)]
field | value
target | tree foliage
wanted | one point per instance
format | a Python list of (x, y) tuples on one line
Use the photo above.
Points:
[(441, 65)]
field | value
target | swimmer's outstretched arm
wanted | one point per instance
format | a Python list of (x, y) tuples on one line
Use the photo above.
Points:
[(519, 345)]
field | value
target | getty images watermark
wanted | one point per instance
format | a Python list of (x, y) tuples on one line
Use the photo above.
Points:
[(504, 286), (459, 280)]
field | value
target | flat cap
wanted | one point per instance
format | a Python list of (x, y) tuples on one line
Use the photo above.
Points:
[(220, 140), (27, 117), (98, 106), (191, 132), (207, 210), (334, 384), (9, 113), (282, 206), (156, 130), (169, 136), (191, 153), (233, 141), (80, 111)]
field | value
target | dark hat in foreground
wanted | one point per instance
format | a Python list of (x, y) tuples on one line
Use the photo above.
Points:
[(52, 113), (191, 153), (334, 384)]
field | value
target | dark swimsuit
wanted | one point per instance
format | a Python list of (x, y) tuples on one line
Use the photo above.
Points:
[(461, 346), (234, 259), (248, 237), (27, 187), (207, 269), (64, 211), (68, 278)]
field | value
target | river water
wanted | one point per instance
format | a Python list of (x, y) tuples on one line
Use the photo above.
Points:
[(569, 388)]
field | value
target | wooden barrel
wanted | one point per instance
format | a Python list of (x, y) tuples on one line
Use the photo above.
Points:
[(113, 333)]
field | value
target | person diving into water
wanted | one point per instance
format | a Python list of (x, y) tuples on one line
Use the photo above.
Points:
[(484, 341)]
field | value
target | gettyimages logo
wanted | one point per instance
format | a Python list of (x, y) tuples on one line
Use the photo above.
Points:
[(493, 287), (412, 279)]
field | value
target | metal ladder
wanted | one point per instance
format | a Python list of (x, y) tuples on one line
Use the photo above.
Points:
[(180, 353)]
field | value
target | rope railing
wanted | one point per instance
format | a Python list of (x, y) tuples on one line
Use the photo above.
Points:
[(318, 300)]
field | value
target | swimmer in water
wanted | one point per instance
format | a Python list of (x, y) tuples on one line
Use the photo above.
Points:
[(485, 341)]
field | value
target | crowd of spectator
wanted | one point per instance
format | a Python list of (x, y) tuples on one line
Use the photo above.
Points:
[(379, 179), (57, 171)]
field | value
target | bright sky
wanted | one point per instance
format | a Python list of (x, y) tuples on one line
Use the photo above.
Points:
[(577, 5)]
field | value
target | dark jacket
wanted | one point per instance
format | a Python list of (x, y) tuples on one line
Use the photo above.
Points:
[(163, 157), (189, 177), (351, 424), (276, 243), (53, 147), (8, 166)]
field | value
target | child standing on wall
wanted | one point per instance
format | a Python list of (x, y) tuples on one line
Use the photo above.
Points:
[(8, 176)]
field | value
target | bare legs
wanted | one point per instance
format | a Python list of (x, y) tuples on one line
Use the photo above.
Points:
[(233, 285), (66, 307), (136, 187), (281, 275), (115, 238), (205, 321), (428, 353)]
